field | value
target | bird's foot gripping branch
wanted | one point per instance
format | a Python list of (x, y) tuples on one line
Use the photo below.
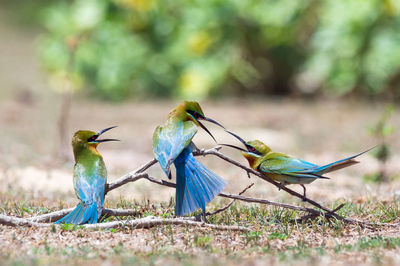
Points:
[(147, 222)]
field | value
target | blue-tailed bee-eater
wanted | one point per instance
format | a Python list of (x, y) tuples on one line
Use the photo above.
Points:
[(90, 177), (172, 143), (285, 169)]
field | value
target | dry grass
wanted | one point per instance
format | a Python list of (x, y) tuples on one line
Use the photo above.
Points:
[(274, 238)]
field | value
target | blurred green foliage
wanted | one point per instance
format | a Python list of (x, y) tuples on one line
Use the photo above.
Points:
[(197, 48), (381, 131)]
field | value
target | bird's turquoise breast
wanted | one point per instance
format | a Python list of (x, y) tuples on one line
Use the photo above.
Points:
[(90, 178)]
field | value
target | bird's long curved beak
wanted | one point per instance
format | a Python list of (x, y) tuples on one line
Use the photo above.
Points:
[(206, 129), (239, 138), (213, 121), (232, 146), (103, 131)]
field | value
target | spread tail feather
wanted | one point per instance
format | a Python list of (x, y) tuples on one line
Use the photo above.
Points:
[(196, 185), (339, 164), (81, 214)]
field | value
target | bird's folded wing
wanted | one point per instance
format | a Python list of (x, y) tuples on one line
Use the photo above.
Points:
[(90, 189), (285, 165), (170, 139)]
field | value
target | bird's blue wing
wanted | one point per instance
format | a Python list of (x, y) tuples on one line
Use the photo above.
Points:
[(170, 140), (89, 185), (284, 165), (89, 188)]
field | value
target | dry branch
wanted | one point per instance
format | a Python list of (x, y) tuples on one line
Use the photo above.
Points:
[(139, 174), (51, 217), (54, 216), (242, 198), (131, 176), (146, 222), (230, 203), (328, 212)]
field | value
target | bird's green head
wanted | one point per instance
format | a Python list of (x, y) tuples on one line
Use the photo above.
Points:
[(195, 113), (192, 108), (254, 150), (86, 140)]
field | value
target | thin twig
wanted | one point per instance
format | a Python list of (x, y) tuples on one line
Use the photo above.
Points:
[(313, 215), (139, 174), (54, 216), (146, 222), (230, 203), (131, 176), (242, 198)]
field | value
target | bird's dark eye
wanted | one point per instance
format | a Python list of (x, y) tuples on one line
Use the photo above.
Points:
[(92, 138), (251, 149), (194, 114)]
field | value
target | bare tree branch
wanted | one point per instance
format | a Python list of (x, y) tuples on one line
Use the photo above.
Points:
[(139, 174), (277, 184), (51, 217), (131, 176), (241, 198), (54, 216), (230, 203), (146, 222)]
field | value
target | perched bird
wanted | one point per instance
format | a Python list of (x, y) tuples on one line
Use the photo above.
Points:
[(285, 169), (90, 177), (172, 143)]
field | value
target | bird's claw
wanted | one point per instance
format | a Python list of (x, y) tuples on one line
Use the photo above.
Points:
[(199, 151), (197, 218), (169, 174)]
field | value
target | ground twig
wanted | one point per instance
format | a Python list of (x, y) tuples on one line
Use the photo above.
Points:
[(230, 203), (54, 216), (242, 198), (147, 222), (139, 174)]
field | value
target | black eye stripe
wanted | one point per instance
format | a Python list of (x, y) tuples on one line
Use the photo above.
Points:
[(253, 150), (92, 138), (194, 114)]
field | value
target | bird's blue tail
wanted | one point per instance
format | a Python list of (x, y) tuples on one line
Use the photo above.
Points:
[(339, 164), (195, 184), (81, 214)]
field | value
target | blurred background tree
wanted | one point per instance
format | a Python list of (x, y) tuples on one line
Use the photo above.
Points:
[(381, 131), (206, 48)]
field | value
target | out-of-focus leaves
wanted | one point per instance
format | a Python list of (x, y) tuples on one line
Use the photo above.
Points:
[(194, 48)]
